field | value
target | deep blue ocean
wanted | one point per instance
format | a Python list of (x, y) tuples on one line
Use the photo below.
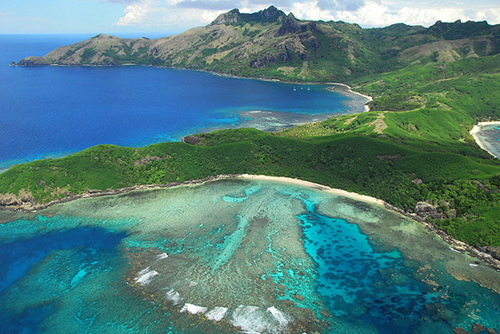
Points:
[(51, 111)]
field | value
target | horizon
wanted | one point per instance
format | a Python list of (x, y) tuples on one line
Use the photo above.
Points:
[(170, 17)]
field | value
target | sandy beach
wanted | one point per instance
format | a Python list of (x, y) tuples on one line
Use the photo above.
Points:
[(475, 131), (349, 89), (357, 98), (298, 182)]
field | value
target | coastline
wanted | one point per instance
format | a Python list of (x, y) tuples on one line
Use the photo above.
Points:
[(34, 207), (335, 87), (455, 245), (28, 206), (357, 98), (357, 103), (476, 129), (298, 182)]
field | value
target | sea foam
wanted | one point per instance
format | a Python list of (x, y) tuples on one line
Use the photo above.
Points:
[(145, 275), (252, 319), (161, 256), (281, 317), (174, 297), (193, 309), (217, 313)]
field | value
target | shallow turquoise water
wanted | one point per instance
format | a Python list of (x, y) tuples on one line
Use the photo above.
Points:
[(231, 256), (489, 135)]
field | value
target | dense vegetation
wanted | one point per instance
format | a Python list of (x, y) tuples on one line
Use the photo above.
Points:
[(431, 108), (435, 104)]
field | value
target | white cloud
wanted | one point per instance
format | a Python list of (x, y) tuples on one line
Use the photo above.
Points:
[(378, 14), (381, 13), (374, 14), (208, 16), (135, 13), (165, 13), (184, 14), (310, 11), (428, 17), (492, 15), (189, 18)]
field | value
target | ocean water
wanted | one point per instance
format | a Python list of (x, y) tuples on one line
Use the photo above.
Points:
[(235, 256), (489, 136), (53, 111)]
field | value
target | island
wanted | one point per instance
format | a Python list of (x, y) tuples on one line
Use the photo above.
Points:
[(413, 149), (324, 227)]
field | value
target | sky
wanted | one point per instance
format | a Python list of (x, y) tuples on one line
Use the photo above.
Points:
[(166, 17)]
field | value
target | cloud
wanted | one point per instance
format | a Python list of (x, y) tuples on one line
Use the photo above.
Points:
[(189, 18), (381, 13), (310, 11), (378, 14), (175, 14), (184, 14), (135, 13), (492, 15), (207, 4)]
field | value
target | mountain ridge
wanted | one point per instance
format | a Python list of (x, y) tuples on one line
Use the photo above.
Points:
[(270, 44)]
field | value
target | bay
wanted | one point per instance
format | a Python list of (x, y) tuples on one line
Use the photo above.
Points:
[(489, 136), (54, 111)]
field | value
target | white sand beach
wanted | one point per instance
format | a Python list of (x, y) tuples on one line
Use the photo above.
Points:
[(298, 182), (475, 131)]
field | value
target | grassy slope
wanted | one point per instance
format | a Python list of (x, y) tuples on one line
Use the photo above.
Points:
[(270, 45), (431, 109), (428, 136)]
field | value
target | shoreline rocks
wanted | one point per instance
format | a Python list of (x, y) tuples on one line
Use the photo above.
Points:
[(485, 254), (33, 61)]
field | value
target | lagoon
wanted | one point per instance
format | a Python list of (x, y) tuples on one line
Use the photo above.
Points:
[(236, 255)]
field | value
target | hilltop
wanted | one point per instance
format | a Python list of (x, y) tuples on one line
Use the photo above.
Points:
[(271, 44)]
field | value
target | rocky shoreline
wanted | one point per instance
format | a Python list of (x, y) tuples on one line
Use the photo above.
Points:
[(490, 257), (485, 254), (27, 205)]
